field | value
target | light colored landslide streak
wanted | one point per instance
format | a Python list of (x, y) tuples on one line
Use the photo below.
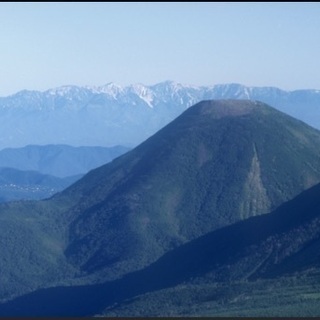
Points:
[(256, 200)]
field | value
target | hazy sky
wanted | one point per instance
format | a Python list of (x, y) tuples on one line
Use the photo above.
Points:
[(46, 45)]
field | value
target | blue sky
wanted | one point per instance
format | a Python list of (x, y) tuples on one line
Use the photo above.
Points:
[(46, 45)]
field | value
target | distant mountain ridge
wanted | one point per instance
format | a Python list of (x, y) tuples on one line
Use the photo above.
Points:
[(59, 160), (114, 115)]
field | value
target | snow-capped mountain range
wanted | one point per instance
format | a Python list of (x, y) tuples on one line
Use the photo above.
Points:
[(111, 115)]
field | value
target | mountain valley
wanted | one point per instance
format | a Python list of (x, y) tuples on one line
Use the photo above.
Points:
[(38, 172)]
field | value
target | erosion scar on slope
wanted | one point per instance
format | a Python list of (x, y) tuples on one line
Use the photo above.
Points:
[(256, 200)]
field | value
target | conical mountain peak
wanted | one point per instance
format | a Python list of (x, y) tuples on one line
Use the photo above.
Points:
[(225, 108), (217, 163)]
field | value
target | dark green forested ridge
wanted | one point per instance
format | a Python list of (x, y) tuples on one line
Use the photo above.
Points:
[(238, 270)]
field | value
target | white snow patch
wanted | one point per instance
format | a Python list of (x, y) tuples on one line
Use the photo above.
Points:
[(144, 93), (111, 89)]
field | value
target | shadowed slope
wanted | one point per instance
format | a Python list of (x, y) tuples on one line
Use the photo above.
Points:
[(248, 249)]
